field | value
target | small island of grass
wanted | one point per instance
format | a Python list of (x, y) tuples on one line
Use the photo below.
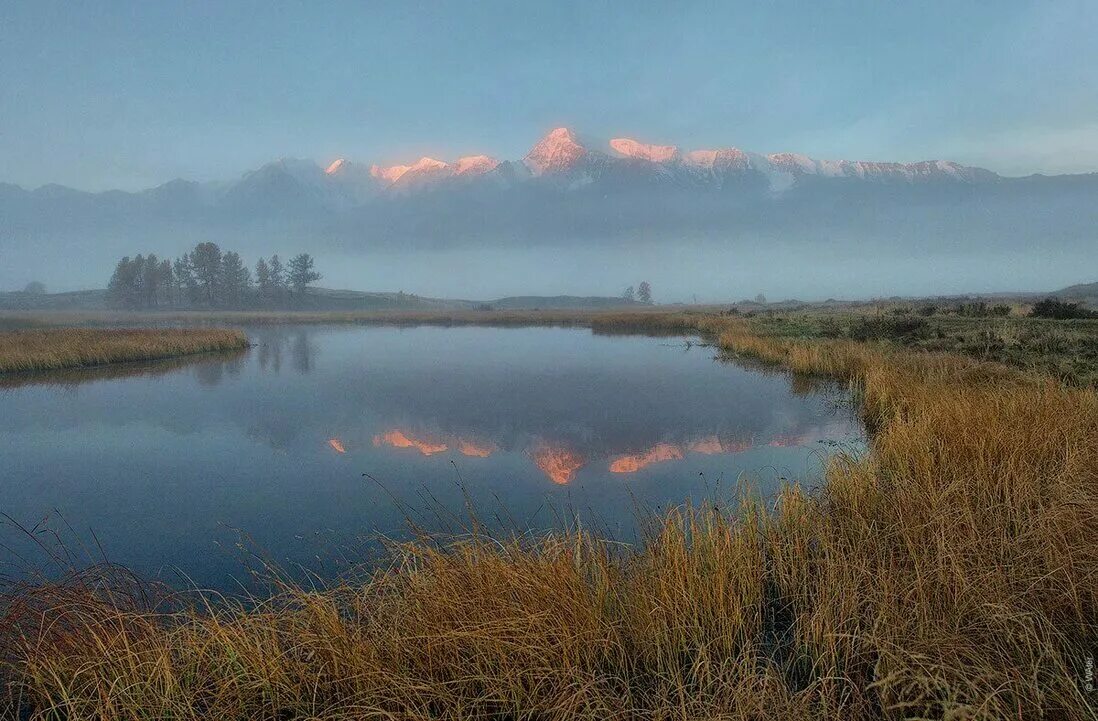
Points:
[(56, 348)]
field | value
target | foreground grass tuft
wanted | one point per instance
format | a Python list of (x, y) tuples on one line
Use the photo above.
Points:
[(950, 574), (51, 349)]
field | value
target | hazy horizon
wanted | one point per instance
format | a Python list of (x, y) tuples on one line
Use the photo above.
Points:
[(130, 96)]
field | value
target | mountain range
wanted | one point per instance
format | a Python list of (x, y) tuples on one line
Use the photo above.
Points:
[(567, 190)]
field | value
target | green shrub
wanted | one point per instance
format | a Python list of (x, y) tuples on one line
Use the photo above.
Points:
[(1060, 310)]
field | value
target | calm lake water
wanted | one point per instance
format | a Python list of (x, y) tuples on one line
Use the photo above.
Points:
[(167, 466)]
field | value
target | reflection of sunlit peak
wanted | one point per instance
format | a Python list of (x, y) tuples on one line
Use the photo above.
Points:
[(786, 441), (710, 445), (399, 439), (335, 166), (337, 445), (656, 454), (559, 463), (475, 449)]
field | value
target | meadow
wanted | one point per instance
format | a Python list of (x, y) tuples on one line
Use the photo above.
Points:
[(950, 573)]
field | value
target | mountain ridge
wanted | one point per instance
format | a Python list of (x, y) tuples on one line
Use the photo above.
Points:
[(563, 150), (570, 191)]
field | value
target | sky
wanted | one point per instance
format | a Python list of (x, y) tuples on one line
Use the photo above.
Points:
[(129, 95)]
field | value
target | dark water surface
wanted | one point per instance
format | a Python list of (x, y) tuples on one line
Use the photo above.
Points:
[(165, 465)]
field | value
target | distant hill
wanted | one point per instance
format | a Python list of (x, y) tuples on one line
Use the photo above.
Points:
[(75, 300), (1086, 292), (530, 302)]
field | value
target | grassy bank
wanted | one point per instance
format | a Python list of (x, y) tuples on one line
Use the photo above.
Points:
[(952, 573), (502, 318), (58, 348), (1066, 350)]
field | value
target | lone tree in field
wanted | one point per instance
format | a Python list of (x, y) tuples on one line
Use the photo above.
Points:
[(644, 293), (301, 272), (629, 294)]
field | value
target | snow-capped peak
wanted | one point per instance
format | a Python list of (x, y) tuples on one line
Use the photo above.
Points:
[(426, 163), (653, 153), (566, 155), (389, 174), (475, 165), (559, 150)]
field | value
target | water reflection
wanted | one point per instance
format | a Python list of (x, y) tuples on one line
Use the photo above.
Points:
[(398, 439), (159, 459), (558, 462), (272, 342)]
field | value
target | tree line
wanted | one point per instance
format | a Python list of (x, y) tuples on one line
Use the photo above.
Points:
[(206, 277)]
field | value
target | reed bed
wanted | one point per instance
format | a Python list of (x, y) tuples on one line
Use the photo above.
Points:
[(61, 348), (952, 573)]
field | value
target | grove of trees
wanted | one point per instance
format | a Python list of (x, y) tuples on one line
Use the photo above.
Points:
[(208, 277)]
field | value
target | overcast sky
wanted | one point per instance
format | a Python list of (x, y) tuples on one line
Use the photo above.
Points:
[(129, 95)]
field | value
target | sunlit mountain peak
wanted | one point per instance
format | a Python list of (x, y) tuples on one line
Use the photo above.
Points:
[(390, 174), (643, 151), (559, 150), (475, 165)]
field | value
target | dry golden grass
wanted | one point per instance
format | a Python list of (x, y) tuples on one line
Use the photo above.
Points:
[(950, 574), (50, 349)]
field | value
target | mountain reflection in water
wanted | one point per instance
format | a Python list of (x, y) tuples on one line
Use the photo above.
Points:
[(161, 459)]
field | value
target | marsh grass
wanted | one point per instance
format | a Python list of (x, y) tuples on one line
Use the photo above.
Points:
[(951, 573), (64, 348)]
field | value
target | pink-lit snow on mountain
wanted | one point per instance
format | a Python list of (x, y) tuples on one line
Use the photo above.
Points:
[(653, 153), (563, 154), (558, 151), (475, 165), (718, 160), (390, 174)]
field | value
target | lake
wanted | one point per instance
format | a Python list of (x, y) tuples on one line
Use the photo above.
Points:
[(319, 438)]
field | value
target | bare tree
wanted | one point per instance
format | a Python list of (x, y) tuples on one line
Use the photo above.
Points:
[(644, 293)]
